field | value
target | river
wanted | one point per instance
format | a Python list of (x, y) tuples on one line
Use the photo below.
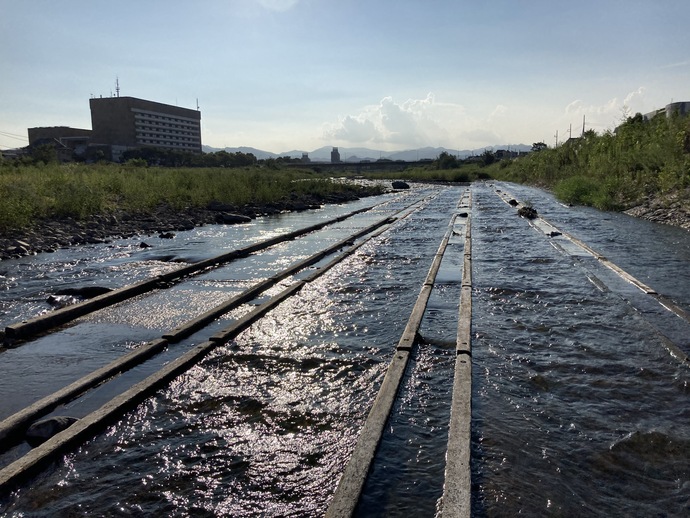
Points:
[(578, 407)]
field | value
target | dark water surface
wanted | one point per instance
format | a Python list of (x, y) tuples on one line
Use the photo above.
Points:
[(578, 409)]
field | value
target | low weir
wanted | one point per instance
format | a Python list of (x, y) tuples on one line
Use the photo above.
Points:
[(429, 352)]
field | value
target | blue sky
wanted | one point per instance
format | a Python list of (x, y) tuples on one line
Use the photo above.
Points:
[(280, 75)]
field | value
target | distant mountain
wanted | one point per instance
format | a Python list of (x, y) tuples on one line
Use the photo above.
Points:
[(258, 153), (411, 155), (357, 154)]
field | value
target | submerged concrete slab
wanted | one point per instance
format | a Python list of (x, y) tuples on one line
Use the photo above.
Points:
[(457, 489)]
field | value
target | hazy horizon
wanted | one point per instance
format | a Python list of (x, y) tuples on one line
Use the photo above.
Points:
[(278, 75)]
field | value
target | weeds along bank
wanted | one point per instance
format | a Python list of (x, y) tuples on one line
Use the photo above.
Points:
[(641, 163), (29, 194)]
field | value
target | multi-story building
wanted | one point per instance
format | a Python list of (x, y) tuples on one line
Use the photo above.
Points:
[(128, 122), (122, 123)]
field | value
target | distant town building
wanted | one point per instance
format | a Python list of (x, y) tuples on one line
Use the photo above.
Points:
[(67, 141), (305, 158), (335, 156), (62, 133), (679, 108), (502, 154)]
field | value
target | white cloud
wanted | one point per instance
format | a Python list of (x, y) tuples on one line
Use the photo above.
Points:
[(355, 129), (680, 64), (498, 111), (575, 106), (635, 98), (413, 123), (392, 124), (400, 123), (601, 117)]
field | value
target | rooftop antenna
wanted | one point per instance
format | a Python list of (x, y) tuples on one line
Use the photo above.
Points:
[(117, 86), (197, 104)]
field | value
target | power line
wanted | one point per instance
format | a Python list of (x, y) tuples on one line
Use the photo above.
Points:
[(13, 135)]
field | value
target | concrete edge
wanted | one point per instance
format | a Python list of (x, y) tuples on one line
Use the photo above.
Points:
[(347, 494), (17, 472), (456, 501), (16, 424), (42, 323)]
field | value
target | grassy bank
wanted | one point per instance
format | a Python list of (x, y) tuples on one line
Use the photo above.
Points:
[(642, 160), (30, 193)]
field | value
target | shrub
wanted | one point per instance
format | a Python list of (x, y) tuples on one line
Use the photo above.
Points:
[(460, 176), (136, 162), (577, 190), (611, 171)]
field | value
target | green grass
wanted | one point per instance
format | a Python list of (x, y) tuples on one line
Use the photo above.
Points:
[(31, 192), (611, 171)]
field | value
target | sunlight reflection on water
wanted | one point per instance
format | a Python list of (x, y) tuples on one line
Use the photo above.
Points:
[(577, 409)]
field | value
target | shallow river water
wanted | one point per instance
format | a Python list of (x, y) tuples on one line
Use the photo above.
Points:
[(578, 407)]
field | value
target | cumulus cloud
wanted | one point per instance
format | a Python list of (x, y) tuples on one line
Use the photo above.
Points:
[(635, 98), (355, 129), (400, 123), (608, 114), (575, 106), (430, 121), (413, 123)]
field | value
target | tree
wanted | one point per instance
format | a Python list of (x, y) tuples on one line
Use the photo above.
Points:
[(539, 146), (45, 153), (446, 161), (488, 157)]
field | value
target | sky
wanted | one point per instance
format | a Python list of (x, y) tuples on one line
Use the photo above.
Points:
[(283, 75)]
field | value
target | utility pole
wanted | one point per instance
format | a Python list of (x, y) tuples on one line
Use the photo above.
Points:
[(583, 125), (556, 138)]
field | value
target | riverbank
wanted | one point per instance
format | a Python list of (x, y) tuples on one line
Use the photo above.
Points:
[(671, 209), (52, 234), (48, 235)]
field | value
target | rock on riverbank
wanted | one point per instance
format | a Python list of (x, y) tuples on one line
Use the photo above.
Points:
[(49, 235), (673, 209)]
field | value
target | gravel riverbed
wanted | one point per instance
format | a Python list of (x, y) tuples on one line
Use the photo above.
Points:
[(51, 234)]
